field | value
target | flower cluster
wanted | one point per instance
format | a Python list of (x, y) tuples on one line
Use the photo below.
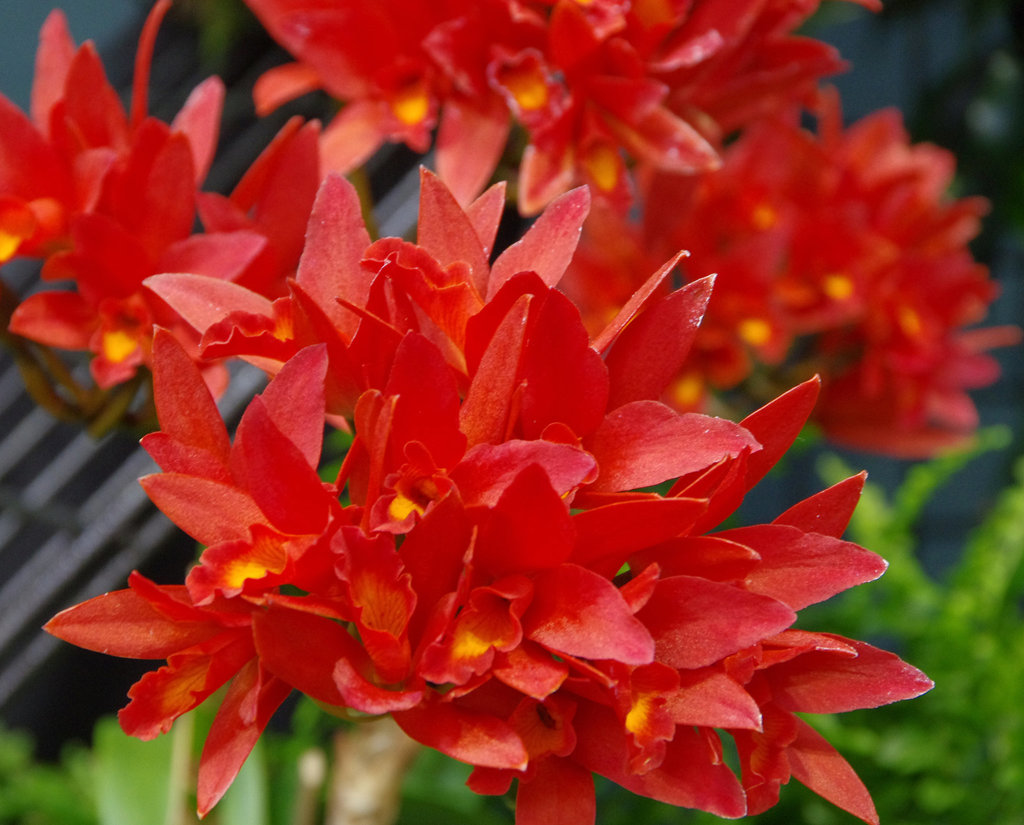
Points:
[(839, 253), (594, 85), (516, 560), (107, 197)]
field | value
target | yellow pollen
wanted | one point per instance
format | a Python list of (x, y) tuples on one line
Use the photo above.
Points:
[(528, 88), (411, 105), (602, 163), (910, 322), (468, 645), (755, 331), (401, 506), (118, 345), (639, 714), (687, 391), (16, 224), (241, 570), (284, 328), (9, 244), (838, 287), (764, 217)]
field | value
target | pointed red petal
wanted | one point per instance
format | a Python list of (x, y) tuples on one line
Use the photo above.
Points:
[(280, 84), (57, 319), (294, 400), (708, 698), (829, 511), (645, 443), (470, 141), (282, 483), (696, 622), (577, 612), (609, 535), (53, 61), (445, 231), (303, 650), (243, 714), (823, 682), (776, 426), (427, 409), (485, 215), (487, 470), (800, 568), (566, 380), (203, 301), (199, 121), (484, 415), (352, 136), (559, 793), (335, 242), (529, 527), (818, 765), (221, 255), (123, 623), (637, 301), (184, 406), (648, 353), (548, 245), (464, 734), (209, 511)]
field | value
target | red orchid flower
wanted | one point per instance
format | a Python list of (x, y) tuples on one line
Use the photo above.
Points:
[(594, 85), (838, 253), (361, 298), (505, 583), (115, 197), (125, 198)]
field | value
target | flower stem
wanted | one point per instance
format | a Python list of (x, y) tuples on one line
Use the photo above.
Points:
[(371, 759)]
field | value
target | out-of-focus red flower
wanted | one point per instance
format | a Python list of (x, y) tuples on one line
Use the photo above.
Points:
[(107, 197), (595, 86), (839, 253), (525, 574), (273, 199)]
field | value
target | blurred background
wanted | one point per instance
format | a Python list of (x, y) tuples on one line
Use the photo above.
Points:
[(73, 522)]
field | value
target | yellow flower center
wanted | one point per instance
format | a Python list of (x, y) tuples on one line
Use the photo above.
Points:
[(401, 506), (640, 713), (687, 391), (764, 217), (412, 104), (118, 345), (755, 331), (16, 224), (910, 322), (837, 286), (527, 85), (602, 163)]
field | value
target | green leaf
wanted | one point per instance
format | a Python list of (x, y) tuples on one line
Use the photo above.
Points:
[(132, 777)]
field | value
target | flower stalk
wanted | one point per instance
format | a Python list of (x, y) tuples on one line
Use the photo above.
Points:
[(371, 759)]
